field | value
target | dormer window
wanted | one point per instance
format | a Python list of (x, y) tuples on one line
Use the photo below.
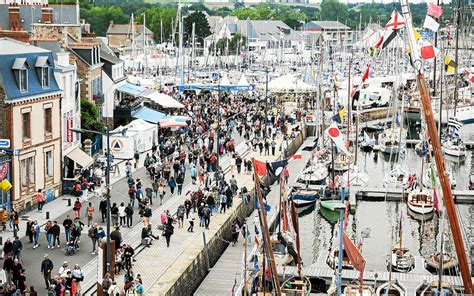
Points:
[(20, 68), (42, 70)]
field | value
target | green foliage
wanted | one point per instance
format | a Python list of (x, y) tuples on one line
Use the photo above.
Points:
[(333, 10), (232, 45), (90, 119), (155, 16), (202, 29), (100, 16), (260, 12)]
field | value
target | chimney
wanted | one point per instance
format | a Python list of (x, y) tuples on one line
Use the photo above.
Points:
[(111, 23), (63, 59), (46, 14), (14, 17)]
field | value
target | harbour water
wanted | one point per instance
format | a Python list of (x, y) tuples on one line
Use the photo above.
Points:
[(374, 223)]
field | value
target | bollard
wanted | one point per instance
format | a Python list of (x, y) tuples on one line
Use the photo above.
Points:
[(47, 215), (1, 240), (69, 203)]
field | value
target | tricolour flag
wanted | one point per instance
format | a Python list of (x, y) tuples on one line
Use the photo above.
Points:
[(335, 134), (470, 75), (435, 10), (431, 24), (449, 65)]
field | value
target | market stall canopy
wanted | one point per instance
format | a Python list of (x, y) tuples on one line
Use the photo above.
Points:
[(288, 83), (148, 114), (243, 81), (163, 100), (80, 157), (174, 122), (132, 89)]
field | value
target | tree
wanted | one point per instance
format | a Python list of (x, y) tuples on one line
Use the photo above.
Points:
[(201, 30), (161, 15), (99, 17), (90, 119), (333, 10)]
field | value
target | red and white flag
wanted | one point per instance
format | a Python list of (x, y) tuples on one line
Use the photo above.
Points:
[(427, 50), (366, 74), (470, 75), (435, 10), (336, 136), (295, 156), (396, 21)]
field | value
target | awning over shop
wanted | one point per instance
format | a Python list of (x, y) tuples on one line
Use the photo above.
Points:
[(148, 114), (80, 157), (163, 100), (174, 122), (132, 89)]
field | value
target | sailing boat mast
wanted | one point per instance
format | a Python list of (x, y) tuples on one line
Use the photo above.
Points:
[(456, 55), (144, 44), (133, 39), (433, 133)]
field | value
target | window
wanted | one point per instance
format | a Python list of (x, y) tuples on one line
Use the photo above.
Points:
[(48, 127), (23, 79), (26, 117), (48, 164), (27, 174), (44, 77)]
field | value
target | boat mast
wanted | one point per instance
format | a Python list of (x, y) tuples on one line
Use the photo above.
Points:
[(266, 232), (144, 44), (456, 55), (433, 133), (435, 60)]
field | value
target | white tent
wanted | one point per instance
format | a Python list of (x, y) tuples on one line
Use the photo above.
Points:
[(225, 80), (243, 81), (139, 136), (288, 83), (163, 100)]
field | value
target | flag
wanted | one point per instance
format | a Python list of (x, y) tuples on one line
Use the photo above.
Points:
[(433, 184), (427, 50), (454, 124), (257, 232), (417, 34), (396, 21), (424, 149), (359, 246), (261, 167), (295, 156), (278, 166), (388, 37), (256, 266), (335, 134), (431, 24), (470, 75), (449, 65), (366, 74), (340, 116), (268, 207), (435, 10)]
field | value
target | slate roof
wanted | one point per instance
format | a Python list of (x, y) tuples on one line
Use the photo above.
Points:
[(328, 25), (30, 14), (31, 53), (124, 29)]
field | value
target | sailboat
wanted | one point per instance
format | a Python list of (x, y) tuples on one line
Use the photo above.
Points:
[(354, 177), (314, 174), (401, 258), (396, 178), (420, 205), (298, 285)]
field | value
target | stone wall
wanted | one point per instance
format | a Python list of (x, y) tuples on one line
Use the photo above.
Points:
[(196, 272), (56, 32)]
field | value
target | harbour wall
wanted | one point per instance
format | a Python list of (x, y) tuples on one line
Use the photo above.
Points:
[(191, 277)]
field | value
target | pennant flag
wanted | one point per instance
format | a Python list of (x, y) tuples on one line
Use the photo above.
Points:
[(388, 37), (366, 74), (470, 75), (261, 167), (433, 184), (449, 65), (428, 51), (295, 156), (340, 116), (278, 166), (435, 10), (431, 24), (335, 134), (417, 34), (396, 21)]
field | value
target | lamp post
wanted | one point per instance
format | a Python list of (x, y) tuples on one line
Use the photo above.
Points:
[(107, 183)]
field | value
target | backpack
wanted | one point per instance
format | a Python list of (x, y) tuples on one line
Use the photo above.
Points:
[(206, 212)]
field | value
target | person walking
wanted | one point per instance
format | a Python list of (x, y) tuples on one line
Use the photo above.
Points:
[(89, 214), (180, 182), (131, 194), (36, 234), (273, 144), (78, 277), (40, 200), (122, 214), (29, 230), (191, 221), (223, 203), (168, 231), (103, 209), (129, 215), (77, 208), (46, 268), (238, 163), (206, 212), (149, 194), (172, 184), (56, 233), (161, 192), (67, 227), (49, 234), (147, 213), (180, 215), (16, 248), (93, 235), (114, 214)]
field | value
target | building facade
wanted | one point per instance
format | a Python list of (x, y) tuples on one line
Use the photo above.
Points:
[(334, 33), (31, 100)]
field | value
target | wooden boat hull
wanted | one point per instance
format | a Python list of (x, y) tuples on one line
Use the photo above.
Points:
[(394, 289), (401, 259), (303, 198), (450, 263), (296, 286), (420, 203), (429, 290), (356, 290)]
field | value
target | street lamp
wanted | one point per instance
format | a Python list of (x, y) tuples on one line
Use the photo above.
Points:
[(107, 181)]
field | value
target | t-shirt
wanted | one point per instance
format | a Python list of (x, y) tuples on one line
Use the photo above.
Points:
[(90, 212)]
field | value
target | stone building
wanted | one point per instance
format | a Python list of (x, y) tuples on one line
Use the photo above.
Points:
[(334, 33), (120, 35), (30, 100)]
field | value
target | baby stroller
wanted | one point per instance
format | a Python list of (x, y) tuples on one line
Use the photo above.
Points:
[(72, 246)]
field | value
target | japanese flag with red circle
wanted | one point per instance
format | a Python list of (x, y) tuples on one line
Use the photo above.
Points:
[(336, 136)]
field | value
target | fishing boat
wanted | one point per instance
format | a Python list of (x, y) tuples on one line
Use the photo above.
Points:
[(402, 259), (390, 139), (449, 264), (331, 216), (359, 290), (314, 174), (304, 197), (354, 177), (390, 288), (437, 288), (420, 205), (454, 146)]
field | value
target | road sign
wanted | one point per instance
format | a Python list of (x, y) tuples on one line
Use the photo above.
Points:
[(4, 143)]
